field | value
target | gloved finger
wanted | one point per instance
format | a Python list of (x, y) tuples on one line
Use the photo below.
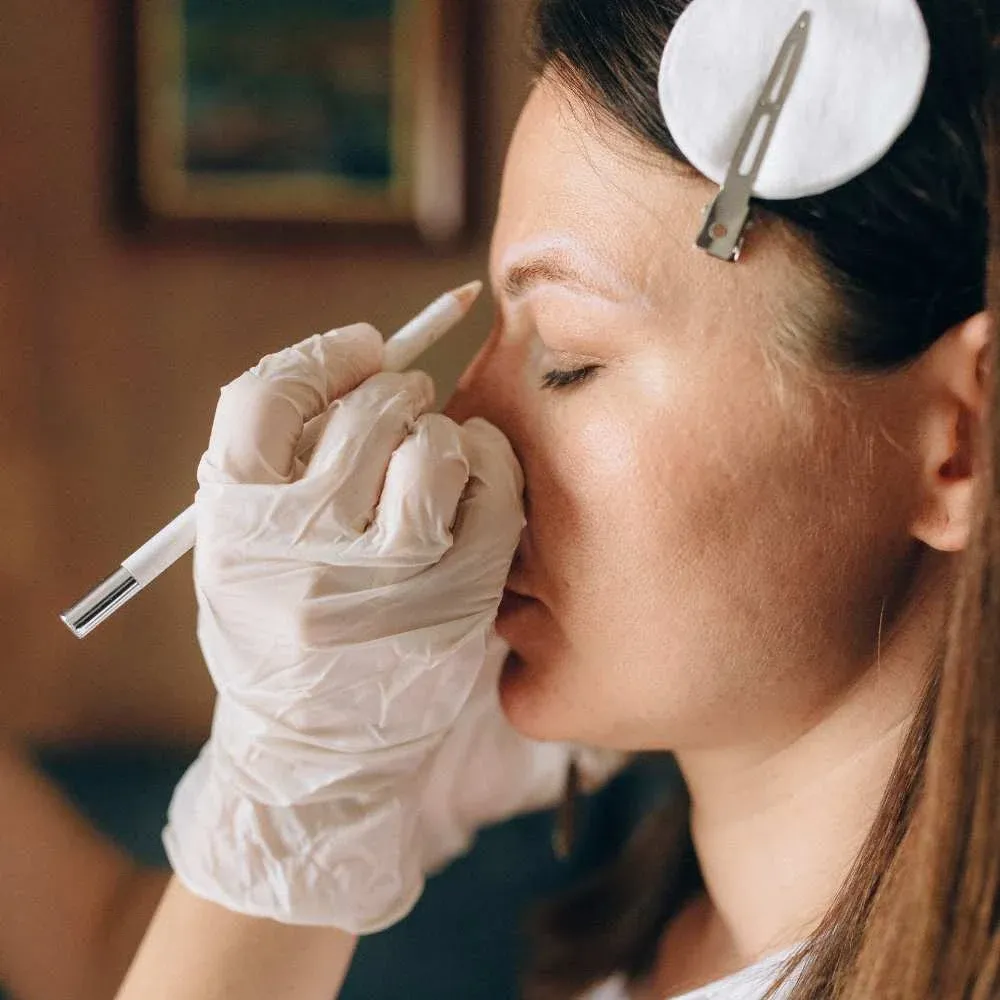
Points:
[(260, 416), (491, 515), (352, 455), (424, 483)]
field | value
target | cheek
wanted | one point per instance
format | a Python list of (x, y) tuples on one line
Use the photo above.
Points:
[(581, 478), (606, 490), (694, 558), (608, 497)]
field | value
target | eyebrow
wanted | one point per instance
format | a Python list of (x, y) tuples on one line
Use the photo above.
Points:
[(551, 269)]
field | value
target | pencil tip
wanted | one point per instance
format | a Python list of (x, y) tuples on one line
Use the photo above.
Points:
[(468, 294)]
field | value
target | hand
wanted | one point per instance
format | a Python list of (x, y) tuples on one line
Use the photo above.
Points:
[(344, 610)]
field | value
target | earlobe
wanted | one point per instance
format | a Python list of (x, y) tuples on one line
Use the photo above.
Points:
[(955, 371), (946, 526)]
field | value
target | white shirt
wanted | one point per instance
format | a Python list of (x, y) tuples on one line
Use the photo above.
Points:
[(747, 984)]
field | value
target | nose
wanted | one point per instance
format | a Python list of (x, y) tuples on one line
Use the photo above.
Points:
[(466, 401), (491, 387), (485, 388)]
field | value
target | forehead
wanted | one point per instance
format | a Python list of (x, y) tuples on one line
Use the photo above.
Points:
[(574, 178)]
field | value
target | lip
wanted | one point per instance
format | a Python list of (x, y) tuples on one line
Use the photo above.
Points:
[(513, 600), (518, 617), (515, 585)]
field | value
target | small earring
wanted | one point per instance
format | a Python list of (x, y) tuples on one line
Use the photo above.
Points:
[(564, 831)]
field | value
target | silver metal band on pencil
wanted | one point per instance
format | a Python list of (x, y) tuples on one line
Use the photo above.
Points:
[(178, 537)]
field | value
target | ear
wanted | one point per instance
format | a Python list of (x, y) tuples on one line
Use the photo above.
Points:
[(954, 373)]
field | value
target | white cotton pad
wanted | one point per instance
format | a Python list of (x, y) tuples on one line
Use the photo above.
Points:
[(860, 83)]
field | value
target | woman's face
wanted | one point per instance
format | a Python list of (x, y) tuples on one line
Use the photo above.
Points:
[(707, 546)]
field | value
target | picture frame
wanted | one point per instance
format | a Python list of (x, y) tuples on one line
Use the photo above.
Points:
[(300, 113)]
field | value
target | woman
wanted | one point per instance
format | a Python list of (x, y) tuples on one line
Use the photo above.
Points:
[(759, 534)]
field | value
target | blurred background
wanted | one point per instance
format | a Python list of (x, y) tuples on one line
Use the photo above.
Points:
[(185, 186), (118, 330)]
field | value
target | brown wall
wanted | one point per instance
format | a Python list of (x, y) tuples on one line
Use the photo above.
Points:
[(113, 349)]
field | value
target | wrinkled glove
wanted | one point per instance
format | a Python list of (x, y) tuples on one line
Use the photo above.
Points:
[(344, 611)]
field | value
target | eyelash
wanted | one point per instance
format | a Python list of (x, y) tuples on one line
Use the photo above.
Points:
[(564, 379)]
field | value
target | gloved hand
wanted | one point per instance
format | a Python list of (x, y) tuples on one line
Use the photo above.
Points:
[(344, 611)]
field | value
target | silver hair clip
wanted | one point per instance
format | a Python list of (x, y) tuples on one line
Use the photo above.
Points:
[(727, 217)]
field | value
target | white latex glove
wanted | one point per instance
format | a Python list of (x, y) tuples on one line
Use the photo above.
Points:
[(344, 612)]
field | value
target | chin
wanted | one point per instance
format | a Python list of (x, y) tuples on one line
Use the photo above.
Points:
[(538, 700), (543, 687), (552, 698), (522, 699)]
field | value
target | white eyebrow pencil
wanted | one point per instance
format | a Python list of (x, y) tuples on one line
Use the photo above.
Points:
[(178, 537)]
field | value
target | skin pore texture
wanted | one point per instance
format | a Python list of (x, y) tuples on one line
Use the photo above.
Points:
[(724, 556)]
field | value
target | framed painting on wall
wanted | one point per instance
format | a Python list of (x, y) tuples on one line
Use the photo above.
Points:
[(347, 112)]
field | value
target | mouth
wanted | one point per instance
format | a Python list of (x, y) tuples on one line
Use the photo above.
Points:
[(516, 581), (519, 605), (512, 601), (520, 615)]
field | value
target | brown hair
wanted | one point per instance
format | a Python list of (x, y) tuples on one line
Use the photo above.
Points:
[(906, 250)]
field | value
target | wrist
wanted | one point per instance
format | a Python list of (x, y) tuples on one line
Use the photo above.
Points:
[(346, 858)]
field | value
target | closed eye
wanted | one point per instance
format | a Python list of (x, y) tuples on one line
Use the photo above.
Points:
[(564, 378)]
